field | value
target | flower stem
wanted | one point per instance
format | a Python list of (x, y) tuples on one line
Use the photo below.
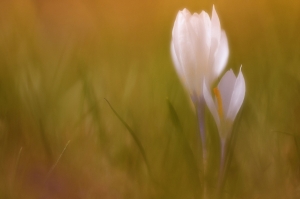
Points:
[(200, 106), (223, 165), (201, 123)]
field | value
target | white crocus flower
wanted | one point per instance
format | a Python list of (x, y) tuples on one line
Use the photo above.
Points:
[(229, 96), (199, 49)]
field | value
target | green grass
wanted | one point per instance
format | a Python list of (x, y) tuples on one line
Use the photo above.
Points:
[(91, 107)]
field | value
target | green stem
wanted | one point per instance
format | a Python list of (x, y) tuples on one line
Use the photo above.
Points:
[(224, 161), (201, 122), (200, 106)]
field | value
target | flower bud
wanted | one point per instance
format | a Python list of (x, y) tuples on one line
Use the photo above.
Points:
[(229, 97), (199, 49)]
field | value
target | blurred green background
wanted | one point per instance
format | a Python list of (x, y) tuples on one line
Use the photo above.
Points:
[(61, 60)]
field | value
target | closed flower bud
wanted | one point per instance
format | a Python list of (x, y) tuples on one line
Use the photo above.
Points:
[(199, 49)]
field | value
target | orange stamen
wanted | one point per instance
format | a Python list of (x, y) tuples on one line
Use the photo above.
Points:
[(219, 101)]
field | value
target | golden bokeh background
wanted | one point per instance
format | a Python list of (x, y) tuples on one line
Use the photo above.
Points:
[(63, 63)]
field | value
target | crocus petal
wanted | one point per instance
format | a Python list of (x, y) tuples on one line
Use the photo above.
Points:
[(182, 45), (221, 55), (215, 30), (226, 87), (216, 68), (180, 33), (200, 35), (237, 97), (199, 46), (215, 25), (207, 27), (210, 104)]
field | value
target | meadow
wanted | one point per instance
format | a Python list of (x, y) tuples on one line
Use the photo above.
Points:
[(91, 105)]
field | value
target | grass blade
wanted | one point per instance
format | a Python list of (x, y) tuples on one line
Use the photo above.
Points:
[(133, 135)]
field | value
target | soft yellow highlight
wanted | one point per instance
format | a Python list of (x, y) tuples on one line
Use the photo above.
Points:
[(219, 101)]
